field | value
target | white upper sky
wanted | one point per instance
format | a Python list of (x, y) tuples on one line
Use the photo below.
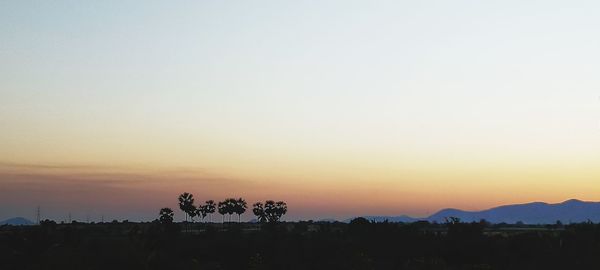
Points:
[(237, 86)]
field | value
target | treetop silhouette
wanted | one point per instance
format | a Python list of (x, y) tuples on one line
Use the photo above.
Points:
[(270, 211)]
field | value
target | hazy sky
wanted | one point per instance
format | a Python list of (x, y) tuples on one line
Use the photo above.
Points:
[(340, 108)]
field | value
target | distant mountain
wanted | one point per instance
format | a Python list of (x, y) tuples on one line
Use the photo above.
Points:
[(16, 221), (529, 213), (570, 211)]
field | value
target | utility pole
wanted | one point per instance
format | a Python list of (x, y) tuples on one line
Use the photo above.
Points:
[(38, 216), (70, 217)]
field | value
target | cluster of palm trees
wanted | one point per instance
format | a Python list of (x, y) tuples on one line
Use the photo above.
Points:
[(186, 204), (270, 211), (232, 206)]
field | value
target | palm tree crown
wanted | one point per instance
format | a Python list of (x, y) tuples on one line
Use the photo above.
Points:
[(210, 208)]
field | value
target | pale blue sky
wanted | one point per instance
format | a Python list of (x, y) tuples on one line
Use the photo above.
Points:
[(234, 87)]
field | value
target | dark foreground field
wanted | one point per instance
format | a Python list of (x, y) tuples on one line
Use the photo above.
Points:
[(304, 245)]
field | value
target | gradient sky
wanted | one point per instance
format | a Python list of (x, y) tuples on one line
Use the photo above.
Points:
[(340, 108)]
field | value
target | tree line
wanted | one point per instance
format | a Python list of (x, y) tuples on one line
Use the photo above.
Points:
[(269, 211)]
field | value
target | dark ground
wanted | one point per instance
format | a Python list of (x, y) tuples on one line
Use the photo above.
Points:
[(303, 245)]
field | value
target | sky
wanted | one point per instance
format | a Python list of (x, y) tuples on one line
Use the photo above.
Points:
[(340, 108)]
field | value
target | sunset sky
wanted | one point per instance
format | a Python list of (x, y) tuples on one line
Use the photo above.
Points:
[(340, 108)]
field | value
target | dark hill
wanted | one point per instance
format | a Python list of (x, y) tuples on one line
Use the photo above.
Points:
[(571, 211), (16, 221)]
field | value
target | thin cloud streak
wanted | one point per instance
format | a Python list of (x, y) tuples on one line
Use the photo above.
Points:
[(133, 195)]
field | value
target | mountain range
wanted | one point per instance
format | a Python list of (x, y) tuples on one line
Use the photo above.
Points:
[(16, 221), (571, 211)]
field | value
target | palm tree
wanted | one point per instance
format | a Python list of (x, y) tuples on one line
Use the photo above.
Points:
[(201, 211), (193, 212), (230, 206), (275, 210), (240, 208), (166, 216), (259, 211), (186, 204), (210, 208), (270, 211), (222, 208), (281, 209)]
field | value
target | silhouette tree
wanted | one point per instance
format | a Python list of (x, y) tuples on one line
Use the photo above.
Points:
[(201, 211), (193, 212), (186, 204), (359, 221), (230, 206), (210, 208), (452, 220), (259, 211), (240, 207), (47, 223), (222, 208), (271, 211), (275, 210), (166, 216), (359, 225)]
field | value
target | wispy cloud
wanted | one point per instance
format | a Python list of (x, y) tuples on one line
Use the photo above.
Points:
[(127, 191)]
